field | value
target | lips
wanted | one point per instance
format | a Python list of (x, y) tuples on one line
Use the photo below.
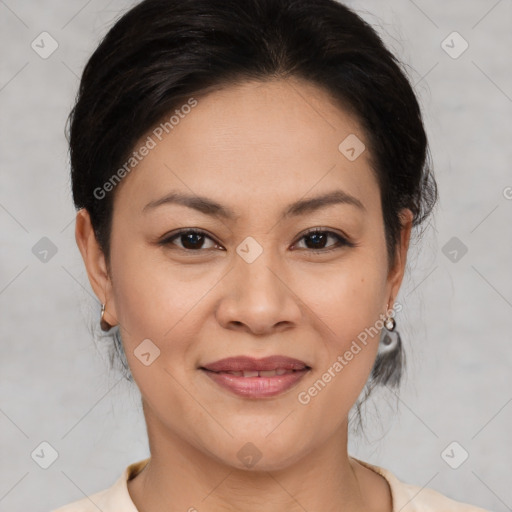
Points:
[(256, 378), (251, 367)]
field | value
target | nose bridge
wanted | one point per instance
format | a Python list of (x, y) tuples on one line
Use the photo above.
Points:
[(257, 296), (256, 270)]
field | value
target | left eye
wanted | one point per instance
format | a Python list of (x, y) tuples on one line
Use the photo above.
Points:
[(192, 240), (318, 239)]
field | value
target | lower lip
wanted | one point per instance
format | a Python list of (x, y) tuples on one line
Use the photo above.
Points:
[(257, 387)]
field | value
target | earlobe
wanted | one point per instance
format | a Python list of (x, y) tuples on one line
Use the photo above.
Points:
[(94, 258)]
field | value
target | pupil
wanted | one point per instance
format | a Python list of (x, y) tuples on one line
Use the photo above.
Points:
[(317, 237), (190, 239)]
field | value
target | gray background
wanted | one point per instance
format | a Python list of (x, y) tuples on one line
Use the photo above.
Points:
[(55, 385)]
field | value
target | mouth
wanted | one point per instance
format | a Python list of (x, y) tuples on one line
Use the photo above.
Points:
[(259, 373), (256, 378), (248, 364)]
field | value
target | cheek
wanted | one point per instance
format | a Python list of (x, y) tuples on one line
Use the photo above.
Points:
[(346, 305), (140, 288), (155, 302), (159, 300), (348, 298)]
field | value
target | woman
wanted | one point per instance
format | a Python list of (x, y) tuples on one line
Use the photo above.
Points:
[(247, 176)]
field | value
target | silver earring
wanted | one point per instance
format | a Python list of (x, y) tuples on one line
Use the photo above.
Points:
[(390, 360), (390, 339)]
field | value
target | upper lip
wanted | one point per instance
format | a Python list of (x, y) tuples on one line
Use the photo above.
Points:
[(244, 363)]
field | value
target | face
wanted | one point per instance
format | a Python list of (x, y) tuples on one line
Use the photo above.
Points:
[(253, 281)]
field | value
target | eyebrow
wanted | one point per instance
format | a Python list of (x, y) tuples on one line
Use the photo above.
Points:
[(215, 209)]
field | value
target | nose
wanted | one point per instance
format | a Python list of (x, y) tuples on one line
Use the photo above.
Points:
[(258, 298)]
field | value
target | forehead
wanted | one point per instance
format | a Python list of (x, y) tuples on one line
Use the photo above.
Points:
[(256, 143)]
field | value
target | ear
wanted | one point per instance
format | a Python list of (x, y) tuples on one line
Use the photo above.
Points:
[(397, 272), (95, 263)]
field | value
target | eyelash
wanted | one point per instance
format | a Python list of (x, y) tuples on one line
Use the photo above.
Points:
[(342, 241)]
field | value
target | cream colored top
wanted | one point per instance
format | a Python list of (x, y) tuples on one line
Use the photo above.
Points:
[(406, 497)]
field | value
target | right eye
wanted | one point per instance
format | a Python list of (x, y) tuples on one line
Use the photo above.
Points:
[(190, 239)]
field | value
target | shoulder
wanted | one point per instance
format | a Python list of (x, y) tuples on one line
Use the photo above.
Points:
[(112, 499), (89, 504), (412, 498), (423, 499)]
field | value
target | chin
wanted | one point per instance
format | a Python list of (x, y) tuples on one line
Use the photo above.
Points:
[(255, 451)]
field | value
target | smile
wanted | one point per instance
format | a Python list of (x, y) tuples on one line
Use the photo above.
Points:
[(257, 384)]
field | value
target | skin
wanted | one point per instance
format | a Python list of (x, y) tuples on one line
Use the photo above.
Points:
[(254, 147)]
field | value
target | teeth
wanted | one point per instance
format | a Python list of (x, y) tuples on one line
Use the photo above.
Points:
[(250, 374), (268, 373), (260, 373)]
